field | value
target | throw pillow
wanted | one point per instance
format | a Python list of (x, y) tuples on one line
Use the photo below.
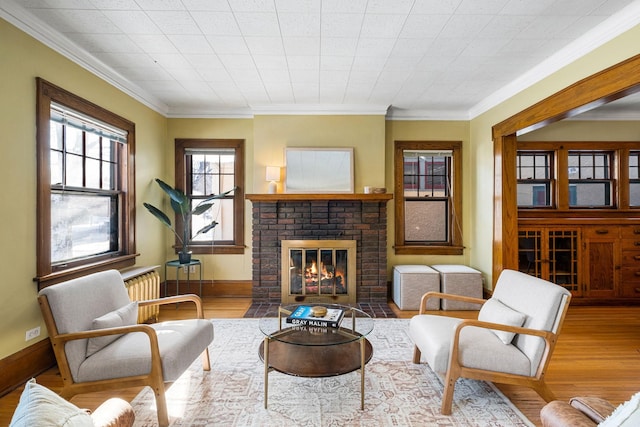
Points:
[(495, 311), (625, 415), (596, 408), (39, 406), (124, 316)]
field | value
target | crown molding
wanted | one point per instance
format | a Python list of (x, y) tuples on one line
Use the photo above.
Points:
[(40, 31), (320, 109), (240, 113), (431, 115)]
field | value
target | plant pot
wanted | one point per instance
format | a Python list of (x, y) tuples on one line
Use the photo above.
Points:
[(184, 257)]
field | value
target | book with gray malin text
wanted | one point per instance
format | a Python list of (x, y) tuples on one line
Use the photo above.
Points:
[(303, 315)]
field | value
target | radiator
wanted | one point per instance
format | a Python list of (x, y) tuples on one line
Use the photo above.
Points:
[(143, 287)]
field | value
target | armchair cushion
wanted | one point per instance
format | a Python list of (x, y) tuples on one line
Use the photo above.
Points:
[(124, 316), (539, 300), (495, 311), (39, 406), (478, 347), (180, 342), (74, 305)]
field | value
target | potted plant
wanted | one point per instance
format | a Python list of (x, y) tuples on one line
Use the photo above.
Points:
[(181, 206)]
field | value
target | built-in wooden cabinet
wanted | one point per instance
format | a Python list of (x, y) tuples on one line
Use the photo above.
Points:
[(598, 263), (630, 264), (579, 217), (551, 253)]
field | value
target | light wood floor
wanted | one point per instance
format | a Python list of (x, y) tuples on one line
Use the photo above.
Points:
[(598, 354)]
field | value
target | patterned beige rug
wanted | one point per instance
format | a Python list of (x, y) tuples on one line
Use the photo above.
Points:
[(398, 392)]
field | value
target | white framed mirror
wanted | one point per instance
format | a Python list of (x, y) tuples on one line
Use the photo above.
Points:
[(319, 170)]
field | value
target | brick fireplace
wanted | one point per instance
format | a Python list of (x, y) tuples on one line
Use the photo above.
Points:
[(358, 217)]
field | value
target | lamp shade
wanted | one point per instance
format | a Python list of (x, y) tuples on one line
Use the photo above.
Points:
[(273, 173)]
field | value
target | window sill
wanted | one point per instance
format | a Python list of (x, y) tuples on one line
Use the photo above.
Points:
[(71, 273), (217, 249), (428, 250)]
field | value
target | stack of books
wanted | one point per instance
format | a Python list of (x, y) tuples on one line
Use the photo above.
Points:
[(316, 316)]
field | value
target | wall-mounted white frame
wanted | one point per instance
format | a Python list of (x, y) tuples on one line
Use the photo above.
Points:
[(319, 170)]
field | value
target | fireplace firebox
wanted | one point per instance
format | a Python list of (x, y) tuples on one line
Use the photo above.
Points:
[(318, 271)]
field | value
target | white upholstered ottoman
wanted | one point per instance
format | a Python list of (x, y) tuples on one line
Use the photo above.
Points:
[(410, 282), (459, 280)]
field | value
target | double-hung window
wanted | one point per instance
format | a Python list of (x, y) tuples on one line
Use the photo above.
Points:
[(205, 167), (85, 186), (590, 179), (428, 188), (534, 170)]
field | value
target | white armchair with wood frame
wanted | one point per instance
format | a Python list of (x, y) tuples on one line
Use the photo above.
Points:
[(511, 341), (99, 345)]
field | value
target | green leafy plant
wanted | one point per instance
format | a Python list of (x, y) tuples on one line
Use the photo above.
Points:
[(181, 205)]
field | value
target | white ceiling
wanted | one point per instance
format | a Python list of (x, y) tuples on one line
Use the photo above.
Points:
[(422, 59)]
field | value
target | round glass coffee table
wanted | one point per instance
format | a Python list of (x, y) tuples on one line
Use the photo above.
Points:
[(313, 350)]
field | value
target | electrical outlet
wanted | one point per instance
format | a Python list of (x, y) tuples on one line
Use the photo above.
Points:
[(192, 269), (185, 269), (32, 333)]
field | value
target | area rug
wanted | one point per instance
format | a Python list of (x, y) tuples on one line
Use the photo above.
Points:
[(397, 391)]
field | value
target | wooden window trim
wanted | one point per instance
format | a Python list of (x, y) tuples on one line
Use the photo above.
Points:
[(46, 93), (551, 181), (619, 178), (604, 86), (181, 145), (401, 247)]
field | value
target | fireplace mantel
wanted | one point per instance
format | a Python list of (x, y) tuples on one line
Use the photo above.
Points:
[(296, 197)]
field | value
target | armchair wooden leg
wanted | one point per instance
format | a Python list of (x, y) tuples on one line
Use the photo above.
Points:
[(447, 395), (416, 354), (161, 404), (544, 391), (206, 363)]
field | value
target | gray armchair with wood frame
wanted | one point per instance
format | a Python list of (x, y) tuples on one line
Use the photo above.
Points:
[(510, 342), (99, 345)]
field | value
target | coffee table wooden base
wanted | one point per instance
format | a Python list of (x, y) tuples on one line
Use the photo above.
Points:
[(315, 360)]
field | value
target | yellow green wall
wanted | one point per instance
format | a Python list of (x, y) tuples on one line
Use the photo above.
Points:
[(437, 131), (22, 59), (364, 133), (214, 267), (607, 55), (578, 130)]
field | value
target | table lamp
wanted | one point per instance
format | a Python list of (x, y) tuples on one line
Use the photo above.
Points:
[(273, 176)]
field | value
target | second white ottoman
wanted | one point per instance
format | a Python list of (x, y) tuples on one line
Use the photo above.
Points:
[(459, 280), (410, 282)]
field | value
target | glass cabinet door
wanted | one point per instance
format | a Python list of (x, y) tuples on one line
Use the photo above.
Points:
[(551, 254), (563, 258), (529, 254)]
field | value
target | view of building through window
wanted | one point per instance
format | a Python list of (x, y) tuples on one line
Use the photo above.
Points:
[(207, 167), (428, 176), (85, 197), (587, 180), (212, 172)]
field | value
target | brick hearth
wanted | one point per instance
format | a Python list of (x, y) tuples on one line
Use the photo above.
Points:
[(359, 217)]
